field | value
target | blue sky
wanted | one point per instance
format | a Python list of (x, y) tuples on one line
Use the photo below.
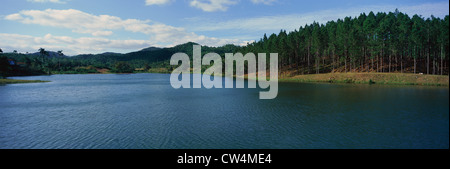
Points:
[(97, 26)]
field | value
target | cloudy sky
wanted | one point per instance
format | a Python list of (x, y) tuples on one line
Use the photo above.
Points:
[(97, 26)]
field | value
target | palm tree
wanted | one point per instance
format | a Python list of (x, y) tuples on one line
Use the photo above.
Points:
[(43, 53), (60, 54)]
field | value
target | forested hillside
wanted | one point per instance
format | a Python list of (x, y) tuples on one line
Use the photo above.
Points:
[(381, 42)]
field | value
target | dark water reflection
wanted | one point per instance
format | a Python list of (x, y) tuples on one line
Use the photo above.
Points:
[(144, 111)]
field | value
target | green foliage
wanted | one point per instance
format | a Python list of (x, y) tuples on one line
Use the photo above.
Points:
[(381, 42), (4, 66), (123, 67)]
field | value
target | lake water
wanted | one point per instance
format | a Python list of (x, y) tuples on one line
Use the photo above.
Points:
[(141, 111)]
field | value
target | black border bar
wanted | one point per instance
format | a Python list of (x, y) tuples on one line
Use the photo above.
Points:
[(160, 158)]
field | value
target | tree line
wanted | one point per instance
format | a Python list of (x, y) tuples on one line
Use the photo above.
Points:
[(382, 42), (48, 62)]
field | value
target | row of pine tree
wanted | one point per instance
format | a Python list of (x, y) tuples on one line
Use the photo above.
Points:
[(381, 42)]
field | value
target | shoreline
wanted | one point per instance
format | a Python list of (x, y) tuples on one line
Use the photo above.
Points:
[(372, 78), (338, 78), (17, 81)]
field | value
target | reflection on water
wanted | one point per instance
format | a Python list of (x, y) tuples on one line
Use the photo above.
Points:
[(144, 111)]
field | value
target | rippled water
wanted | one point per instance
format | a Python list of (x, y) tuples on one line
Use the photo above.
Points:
[(144, 111)]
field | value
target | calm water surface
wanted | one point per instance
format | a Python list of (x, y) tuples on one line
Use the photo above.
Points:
[(144, 111)]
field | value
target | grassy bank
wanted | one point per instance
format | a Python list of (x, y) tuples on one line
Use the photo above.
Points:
[(13, 81), (372, 78), (159, 70)]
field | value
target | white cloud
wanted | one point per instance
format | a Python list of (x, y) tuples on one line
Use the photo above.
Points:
[(75, 20), (439, 9), (209, 5), (14, 17), (102, 33), (103, 25), (212, 5), (44, 1), (266, 2), (294, 21), (70, 46), (86, 45), (159, 35), (156, 2)]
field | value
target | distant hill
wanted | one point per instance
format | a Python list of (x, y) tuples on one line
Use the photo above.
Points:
[(148, 59), (51, 54), (111, 53), (150, 56), (150, 49)]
